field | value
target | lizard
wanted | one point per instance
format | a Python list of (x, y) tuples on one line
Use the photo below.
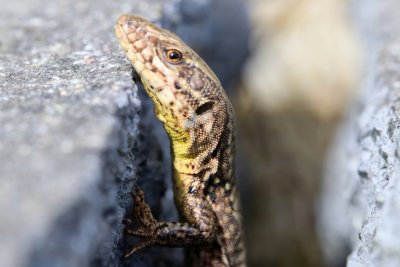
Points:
[(200, 123)]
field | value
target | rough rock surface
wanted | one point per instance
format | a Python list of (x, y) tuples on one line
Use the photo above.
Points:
[(71, 144), (68, 130), (360, 208)]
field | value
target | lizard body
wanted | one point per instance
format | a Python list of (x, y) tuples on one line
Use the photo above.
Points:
[(199, 121)]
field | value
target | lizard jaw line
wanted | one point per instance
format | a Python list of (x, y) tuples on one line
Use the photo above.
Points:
[(128, 25)]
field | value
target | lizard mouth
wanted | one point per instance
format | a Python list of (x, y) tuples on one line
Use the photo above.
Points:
[(129, 27), (135, 40), (141, 42), (144, 45)]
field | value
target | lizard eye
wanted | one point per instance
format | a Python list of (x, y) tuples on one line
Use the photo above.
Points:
[(174, 56)]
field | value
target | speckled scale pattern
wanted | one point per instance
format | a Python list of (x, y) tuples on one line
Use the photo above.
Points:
[(199, 120)]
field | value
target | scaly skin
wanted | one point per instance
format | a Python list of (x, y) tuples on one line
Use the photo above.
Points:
[(199, 121)]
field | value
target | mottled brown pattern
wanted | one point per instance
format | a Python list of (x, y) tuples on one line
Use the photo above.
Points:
[(199, 121)]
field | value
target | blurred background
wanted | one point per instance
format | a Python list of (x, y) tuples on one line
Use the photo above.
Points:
[(298, 82)]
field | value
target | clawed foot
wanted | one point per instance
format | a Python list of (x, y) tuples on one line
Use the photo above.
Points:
[(146, 221), (152, 232), (138, 247)]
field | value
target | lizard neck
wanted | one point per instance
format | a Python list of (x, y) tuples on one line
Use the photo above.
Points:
[(205, 161)]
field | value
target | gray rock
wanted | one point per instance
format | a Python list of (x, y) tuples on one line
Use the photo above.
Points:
[(360, 207), (69, 134), (71, 142)]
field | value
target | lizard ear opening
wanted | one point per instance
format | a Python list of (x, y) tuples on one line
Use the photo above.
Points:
[(204, 107)]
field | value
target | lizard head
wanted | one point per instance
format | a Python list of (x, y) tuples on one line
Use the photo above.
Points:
[(183, 88)]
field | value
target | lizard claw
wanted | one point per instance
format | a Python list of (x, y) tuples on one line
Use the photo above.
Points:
[(138, 233), (137, 192), (138, 247), (138, 195)]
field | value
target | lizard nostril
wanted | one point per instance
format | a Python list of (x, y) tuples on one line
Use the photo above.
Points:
[(177, 85)]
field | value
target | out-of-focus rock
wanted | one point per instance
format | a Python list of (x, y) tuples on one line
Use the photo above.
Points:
[(305, 55), (300, 78), (360, 204)]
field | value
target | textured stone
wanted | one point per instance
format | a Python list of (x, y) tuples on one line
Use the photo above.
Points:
[(71, 142), (360, 207), (69, 133)]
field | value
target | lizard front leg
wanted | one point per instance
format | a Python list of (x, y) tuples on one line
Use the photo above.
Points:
[(200, 231)]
